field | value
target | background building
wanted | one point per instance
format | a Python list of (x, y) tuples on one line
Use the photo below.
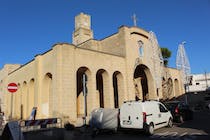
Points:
[(4, 72), (199, 82), (124, 66)]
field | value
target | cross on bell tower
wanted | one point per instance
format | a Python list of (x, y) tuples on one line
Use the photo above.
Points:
[(134, 18)]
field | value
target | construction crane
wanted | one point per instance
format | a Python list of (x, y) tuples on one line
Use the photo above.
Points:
[(182, 63)]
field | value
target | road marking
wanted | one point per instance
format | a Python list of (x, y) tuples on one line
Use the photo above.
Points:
[(185, 133), (157, 135), (175, 135)]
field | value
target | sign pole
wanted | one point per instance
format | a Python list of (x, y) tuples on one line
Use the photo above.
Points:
[(11, 106), (84, 79), (12, 87)]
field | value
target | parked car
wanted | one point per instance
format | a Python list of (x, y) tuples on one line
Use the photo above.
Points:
[(179, 110), (147, 115)]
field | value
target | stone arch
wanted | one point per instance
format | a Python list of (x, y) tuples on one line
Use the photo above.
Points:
[(118, 88), (31, 96), (143, 82), (164, 88), (80, 98), (24, 97), (170, 88), (176, 86), (45, 95), (102, 87), (167, 85)]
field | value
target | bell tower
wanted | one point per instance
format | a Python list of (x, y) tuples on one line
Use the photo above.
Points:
[(82, 30)]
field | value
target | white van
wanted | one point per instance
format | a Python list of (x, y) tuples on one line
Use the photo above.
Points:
[(148, 115)]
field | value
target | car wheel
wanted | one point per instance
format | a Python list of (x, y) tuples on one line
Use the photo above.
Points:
[(181, 119), (170, 123), (150, 129)]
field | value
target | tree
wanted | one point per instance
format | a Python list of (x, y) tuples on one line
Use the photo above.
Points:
[(166, 53)]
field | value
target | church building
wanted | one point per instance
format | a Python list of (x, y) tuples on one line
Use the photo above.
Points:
[(127, 65)]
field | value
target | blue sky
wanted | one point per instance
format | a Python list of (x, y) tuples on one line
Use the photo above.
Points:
[(31, 27)]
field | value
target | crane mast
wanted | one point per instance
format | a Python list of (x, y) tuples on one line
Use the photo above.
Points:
[(182, 63)]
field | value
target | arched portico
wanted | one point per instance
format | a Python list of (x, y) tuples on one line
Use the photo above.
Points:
[(47, 90), (118, 88), (80, 98), (167, 90), (143, 82), (31, 96), (102, 86), (24, 99), (176, 86), (170, 88)]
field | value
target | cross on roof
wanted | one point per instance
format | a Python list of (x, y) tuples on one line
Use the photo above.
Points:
[(134, 19)]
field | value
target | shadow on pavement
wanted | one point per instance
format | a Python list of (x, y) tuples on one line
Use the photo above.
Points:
[(201, 121)]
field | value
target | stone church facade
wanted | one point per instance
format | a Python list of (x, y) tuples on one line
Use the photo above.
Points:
[(124, 66)]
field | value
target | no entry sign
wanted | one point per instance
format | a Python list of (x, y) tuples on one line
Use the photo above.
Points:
[(12, 87)]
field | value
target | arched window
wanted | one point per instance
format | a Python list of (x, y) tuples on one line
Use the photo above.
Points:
[(141, 48)]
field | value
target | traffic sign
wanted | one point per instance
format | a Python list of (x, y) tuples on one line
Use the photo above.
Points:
[(12, 87)]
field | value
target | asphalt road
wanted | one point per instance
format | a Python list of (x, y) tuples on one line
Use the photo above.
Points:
[(196, 129)]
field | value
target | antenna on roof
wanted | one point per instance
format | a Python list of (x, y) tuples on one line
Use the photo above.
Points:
[(134, 18)]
